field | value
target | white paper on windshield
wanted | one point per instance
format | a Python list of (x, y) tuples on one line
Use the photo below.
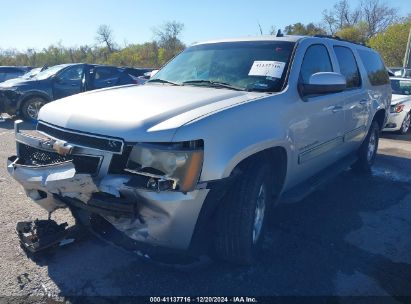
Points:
[(267, 68)]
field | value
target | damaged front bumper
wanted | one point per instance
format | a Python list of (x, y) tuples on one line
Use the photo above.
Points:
[(160, 218)]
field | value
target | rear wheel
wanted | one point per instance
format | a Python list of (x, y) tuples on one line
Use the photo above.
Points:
[(242, 218), (406, 124), (31, 107), (368, 150)]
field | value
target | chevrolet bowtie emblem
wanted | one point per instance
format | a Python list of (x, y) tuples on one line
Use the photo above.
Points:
[(62, 148), (112, 144)]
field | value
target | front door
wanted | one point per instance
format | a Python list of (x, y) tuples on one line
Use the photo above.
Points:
[(318, 129), (68, 82)]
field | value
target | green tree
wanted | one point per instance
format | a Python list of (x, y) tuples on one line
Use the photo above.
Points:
[(300, 29), (391, 44), (376, 15), (356, 33), (168, 40)]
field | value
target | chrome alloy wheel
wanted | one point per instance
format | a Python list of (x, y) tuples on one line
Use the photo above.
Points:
[(33, 108)]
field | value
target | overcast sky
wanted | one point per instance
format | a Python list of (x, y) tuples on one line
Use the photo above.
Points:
[(37, 24)]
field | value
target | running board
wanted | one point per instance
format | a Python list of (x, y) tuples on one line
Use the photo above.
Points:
[(326, 175)]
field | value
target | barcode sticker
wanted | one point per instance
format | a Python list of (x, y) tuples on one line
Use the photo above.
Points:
[(273, 69)]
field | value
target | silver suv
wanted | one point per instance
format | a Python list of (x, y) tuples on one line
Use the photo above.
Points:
[(196, 158)]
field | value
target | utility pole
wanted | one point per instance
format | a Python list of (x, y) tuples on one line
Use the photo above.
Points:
[(407, 57)]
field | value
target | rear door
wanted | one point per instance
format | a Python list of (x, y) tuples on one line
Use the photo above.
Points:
[(355, 98), (379, 88), (104, 77), (68, 82)]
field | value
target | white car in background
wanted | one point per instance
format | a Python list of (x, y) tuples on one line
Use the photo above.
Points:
[(399, 119)]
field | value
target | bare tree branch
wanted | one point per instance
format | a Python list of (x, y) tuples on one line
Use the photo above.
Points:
[(105, 35), (378, 16), (341, 16)]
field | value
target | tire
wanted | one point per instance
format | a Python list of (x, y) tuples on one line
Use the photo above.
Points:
[(368, 150), (31, 107), (405, 126), (242, 218)]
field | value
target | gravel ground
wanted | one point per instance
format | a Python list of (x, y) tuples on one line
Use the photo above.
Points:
[(350, 238)]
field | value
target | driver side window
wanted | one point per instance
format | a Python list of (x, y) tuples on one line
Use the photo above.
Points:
[(72, 74), (316, 59)]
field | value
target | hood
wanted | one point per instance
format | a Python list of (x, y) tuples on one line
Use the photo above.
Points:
[(135, 113), (396, 99), (10, 82), (16, 82)]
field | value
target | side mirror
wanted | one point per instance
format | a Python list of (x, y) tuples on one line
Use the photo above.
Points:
[(324, 83), (153, 72), (146, 75)]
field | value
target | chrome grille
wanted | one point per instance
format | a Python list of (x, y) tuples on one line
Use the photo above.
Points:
[(84, 164), (114, 145)]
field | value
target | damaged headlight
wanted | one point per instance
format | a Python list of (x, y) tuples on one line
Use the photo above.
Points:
[(176, 165)]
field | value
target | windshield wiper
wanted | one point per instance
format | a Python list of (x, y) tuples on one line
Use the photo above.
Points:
[(163, 81), (214, 84)]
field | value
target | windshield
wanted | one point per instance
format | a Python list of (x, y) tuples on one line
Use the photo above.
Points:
[(401, 87), (251, 66), (50, 71), (31, 73)]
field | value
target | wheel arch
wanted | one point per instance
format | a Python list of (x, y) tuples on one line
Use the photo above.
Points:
[(275, 157), (30, 96), (204, 231), (380, 118)]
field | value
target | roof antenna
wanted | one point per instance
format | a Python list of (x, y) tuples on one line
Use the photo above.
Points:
[(279, 34)]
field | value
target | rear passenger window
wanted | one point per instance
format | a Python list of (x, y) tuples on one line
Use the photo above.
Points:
[(348, 66), (316, 59), (106, 73), (377, 73), (105, 77)]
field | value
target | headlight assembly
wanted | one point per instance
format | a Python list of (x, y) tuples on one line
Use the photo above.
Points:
[(177, 164)]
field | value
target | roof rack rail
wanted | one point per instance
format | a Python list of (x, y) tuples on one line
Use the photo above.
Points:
[(328, 36), (339, 39)]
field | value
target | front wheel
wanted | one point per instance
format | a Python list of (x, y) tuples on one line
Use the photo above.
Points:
[(31, 107), (242, 218), (406, 124), (368, 150)]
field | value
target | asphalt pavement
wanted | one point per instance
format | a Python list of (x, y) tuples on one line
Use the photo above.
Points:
[(352, 237)]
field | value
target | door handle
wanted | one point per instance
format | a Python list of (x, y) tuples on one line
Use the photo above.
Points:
[(363, 102), (337, 109)]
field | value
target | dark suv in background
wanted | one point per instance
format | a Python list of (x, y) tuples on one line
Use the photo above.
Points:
[(10, 72), (25, 97)]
